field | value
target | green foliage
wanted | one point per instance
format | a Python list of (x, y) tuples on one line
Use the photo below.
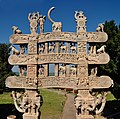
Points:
[(5, 67), (113, 49)]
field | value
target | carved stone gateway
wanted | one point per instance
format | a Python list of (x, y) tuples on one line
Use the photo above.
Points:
[(71, 57)]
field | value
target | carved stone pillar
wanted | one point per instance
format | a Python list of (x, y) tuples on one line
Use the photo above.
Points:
[(33, 102), (56, 47), (46, 65), (46, 48), (56, 69), (67, 47), (67, 70), (46, 70)]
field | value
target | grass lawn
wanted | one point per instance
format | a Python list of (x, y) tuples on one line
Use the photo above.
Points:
[(51, 109)]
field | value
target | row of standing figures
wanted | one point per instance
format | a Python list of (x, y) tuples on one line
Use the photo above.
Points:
[(62, 48), (61, 70), (41, 70)]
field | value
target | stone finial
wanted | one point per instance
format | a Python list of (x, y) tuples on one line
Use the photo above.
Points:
[(56, 26), (81, 21), (33, 18)]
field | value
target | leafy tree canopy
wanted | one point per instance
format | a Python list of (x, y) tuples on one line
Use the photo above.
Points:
[(5, 67), (113, 49)]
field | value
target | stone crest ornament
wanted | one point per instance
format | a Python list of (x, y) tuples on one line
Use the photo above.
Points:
[(33, 18), (71, 58), (56, 26), (81, 21)]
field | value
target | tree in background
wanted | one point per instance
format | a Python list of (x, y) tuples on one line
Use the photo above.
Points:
[(5, 67), (113, 49)]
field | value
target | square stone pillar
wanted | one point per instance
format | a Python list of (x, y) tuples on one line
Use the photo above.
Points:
[(56, 69)]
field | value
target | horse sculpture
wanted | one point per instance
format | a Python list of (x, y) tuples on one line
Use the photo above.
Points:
[(14, 50)]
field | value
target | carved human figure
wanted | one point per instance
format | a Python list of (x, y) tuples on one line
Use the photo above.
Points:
[(42, 20), (92, 50), (62, 70), (73, 70), (22, 49), (41, 70), (22, 70), (94, 71)]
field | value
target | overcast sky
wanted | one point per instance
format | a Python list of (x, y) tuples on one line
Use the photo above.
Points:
[(15, 12)]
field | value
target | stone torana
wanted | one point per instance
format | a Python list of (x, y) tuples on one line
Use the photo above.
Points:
[(71, 57)]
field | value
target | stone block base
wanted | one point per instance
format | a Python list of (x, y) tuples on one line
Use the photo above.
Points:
[(84, 117), (29, 116)]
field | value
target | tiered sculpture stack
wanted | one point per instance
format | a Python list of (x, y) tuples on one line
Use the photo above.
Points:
[(70, 55)]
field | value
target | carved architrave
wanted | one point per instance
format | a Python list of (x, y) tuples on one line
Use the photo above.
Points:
[(13, 59), (19, 38), (61, 82), (102, 58), (96, 37), (57, 57), (56, 36), (100, 82)]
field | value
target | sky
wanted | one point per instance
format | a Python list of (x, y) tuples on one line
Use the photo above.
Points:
[(15, 12)]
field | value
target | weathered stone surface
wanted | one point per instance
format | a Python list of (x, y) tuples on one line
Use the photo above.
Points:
[(102, 58), (69, 54), (100, 82)]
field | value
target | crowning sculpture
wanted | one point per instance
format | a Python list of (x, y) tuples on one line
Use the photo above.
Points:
[(71, 58)]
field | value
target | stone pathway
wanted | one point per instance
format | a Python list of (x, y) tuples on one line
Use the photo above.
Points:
[(69, 111)]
